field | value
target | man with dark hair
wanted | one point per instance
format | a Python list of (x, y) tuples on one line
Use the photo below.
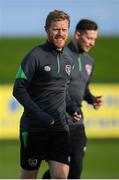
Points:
[(83, 40), (40, 86)]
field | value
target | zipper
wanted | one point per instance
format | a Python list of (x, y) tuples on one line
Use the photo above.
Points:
[(58, 63), (79, 63)]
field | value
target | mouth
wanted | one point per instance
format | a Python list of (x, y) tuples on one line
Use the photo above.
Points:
[(59, 38), (88, 47)]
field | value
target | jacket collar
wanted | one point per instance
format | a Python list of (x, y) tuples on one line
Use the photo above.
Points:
[(53, 48), (74, 49)]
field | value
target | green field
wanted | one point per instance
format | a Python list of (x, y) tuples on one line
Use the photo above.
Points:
[(101, 160), (106, 55)]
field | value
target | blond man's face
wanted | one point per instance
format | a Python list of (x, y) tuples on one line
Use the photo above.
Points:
[(58, 33)]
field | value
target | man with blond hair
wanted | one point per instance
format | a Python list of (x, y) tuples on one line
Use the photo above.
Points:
[(40, 86)]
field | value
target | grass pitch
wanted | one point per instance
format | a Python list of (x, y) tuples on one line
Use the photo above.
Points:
[(101, 160)]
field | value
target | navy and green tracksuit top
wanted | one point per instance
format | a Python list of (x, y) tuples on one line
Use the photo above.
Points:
[(80, 78), (40, 87)]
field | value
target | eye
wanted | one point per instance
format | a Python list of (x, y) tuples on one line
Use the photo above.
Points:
[(55, 30), (64, 30)]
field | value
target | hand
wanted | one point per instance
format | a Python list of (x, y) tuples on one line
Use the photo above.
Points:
[(45, 119), (76, 117), (97, 102)]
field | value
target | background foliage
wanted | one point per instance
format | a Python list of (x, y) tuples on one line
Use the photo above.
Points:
[(105, 53)]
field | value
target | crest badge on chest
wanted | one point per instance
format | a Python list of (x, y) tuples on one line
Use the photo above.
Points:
[(88, 68), (68, 69)]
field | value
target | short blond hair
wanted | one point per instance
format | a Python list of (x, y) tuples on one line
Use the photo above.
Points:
[(56, 15)]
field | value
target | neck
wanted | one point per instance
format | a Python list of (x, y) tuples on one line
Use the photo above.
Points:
[(54, 47), (77, 46)]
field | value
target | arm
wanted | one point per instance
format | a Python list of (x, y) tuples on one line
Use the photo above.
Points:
[(20, 90), (96, 101), (71, 108)]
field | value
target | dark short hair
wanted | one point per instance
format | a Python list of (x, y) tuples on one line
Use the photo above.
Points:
[(86, 24), (56, 15)]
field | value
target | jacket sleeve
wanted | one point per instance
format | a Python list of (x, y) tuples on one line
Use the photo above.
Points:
[(88, 96), (71, 106), (20, 89)]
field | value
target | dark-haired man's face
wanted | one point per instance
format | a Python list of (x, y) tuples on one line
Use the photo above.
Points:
[(87, 40)]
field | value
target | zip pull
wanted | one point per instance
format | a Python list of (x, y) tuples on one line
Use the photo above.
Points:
[(58, 63), (79, 63)]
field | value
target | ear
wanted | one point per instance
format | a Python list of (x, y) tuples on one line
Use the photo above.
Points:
[(77, 34), (46, 30)]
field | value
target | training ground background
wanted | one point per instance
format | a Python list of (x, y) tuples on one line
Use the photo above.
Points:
[(102, 157)]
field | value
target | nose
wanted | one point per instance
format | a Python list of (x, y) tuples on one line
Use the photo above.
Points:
[(93, 43), (60, 31)]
